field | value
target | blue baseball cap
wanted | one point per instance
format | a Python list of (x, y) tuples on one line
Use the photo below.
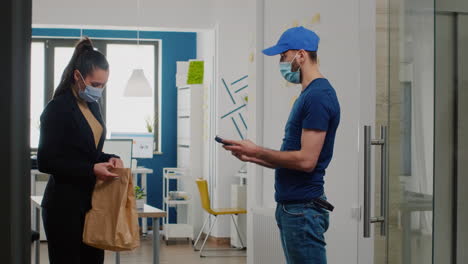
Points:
[(295, 38)]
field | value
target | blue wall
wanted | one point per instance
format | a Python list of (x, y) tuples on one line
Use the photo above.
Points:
[(176, 46)]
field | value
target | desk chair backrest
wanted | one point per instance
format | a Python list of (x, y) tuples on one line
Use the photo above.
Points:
[(204, 195)]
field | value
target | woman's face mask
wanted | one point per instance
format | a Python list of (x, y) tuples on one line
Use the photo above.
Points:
[(288, 74), (90, 94)]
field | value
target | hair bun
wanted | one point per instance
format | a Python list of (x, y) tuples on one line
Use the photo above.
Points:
[(85, 44)]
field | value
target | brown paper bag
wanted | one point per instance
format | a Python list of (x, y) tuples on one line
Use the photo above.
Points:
[(112, 223)]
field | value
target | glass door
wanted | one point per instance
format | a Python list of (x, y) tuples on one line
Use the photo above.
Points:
[(401, 140)]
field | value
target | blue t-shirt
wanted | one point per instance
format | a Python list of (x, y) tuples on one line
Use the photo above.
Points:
[(316, 108)]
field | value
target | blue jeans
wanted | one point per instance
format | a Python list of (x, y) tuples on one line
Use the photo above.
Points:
[(302, 228)]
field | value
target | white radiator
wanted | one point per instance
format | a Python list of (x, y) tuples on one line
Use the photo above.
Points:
[(266, 239), (239, 200)]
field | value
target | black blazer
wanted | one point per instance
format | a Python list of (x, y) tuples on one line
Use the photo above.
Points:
[(67, 151)]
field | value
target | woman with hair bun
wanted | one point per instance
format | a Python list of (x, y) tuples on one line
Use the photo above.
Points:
[(70, 150)]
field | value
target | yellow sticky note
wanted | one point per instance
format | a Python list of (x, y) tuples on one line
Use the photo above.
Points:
[(251, 57), (195, 73), (315, 19)]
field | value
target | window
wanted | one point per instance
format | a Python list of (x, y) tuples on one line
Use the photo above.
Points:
[(62, 56), (37, 90), (128, 114), (49, 57)]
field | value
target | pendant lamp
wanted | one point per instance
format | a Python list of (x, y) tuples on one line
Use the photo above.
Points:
[(138, 85)]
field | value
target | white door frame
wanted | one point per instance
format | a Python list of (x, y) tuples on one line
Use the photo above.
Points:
[(255, 115)]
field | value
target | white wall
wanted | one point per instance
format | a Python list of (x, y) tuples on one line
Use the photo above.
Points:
[(256, 115), (232, 47), (206, 50), (347, 59), (172, 14)]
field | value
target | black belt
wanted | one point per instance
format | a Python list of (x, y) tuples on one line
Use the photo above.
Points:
[(319, 202), (323, 204)]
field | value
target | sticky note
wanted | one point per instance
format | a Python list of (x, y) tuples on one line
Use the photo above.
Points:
[(251, 57), (315, 19), (196, 72)]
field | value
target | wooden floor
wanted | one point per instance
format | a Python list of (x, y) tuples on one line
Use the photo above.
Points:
[(176, 252)]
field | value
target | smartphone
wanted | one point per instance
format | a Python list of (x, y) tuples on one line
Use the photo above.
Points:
[(220, 140)]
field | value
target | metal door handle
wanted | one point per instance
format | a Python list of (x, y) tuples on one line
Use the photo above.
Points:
[(384, 180), (383, 143)]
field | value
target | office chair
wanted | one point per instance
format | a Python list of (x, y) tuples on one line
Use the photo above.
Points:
[(206, 205)]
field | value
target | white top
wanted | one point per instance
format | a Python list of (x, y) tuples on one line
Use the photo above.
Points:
[(37, 172), (151, 212), (138, 170), (142, 170), (148, 210), (36, 200), (241, 175)]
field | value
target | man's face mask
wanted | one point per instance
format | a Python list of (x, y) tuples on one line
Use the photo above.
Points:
[(288, 74), (90, 93)]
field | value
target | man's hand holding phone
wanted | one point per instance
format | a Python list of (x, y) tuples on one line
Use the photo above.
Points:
[(245, 150), (240, 148)]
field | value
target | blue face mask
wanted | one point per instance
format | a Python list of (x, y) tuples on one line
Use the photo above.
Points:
[(288, 74), (90, 94)]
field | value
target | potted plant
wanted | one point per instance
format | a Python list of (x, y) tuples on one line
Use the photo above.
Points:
[(149, 124), (139, 196)]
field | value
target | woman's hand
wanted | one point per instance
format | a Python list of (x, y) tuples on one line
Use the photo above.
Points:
[(116, 162), (101, 170)]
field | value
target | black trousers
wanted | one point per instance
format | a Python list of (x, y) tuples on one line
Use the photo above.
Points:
[(64, 231)]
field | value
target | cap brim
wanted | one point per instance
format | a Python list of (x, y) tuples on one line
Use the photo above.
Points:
[(275, 50)]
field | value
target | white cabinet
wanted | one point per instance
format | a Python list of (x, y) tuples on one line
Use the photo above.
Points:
[(190, 128), (190, 147), (189, 160)]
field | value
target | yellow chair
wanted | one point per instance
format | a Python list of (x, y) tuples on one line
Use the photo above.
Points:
[(206, 205)]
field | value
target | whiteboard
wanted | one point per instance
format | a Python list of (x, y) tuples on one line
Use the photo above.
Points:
[(121, 148)]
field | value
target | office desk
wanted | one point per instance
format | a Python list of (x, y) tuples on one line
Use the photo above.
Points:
[(147, 212), (135, 172)]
